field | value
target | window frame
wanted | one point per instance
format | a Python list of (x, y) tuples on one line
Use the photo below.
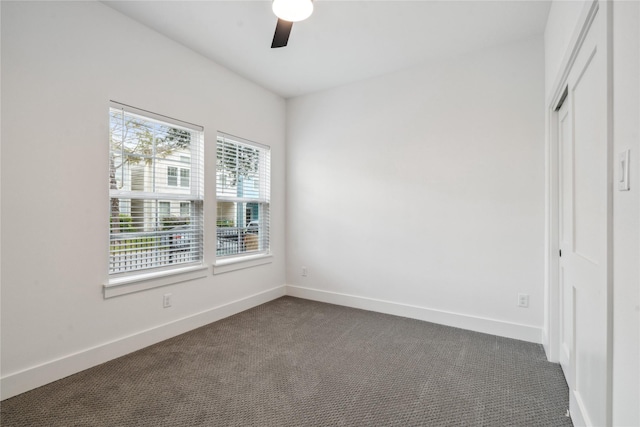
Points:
[(185, 173), (182, 206), (162, 204), (134, 280), (172, 176)]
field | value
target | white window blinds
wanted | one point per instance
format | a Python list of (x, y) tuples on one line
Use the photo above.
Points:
[(156, 198), (243, 180)]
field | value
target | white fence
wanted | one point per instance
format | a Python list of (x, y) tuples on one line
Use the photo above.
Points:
[(138, 259), (141, 251)]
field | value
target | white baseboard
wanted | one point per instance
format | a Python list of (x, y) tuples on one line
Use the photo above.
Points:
[(545, 344), (463, 321), (15, 383), (579, 416), (36, 376)]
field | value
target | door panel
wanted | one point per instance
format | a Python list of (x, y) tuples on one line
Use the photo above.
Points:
[(565, 143), (587, 111), (583, 157)]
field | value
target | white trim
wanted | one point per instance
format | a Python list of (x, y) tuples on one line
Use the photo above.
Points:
[(149, 280), (551, 324), (607, 10), (226, 265), (457, 320), (15, 383), (578, 414)]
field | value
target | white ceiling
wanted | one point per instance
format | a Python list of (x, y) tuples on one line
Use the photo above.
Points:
[(343, 41)]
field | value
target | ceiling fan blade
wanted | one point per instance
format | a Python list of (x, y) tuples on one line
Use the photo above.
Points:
[(281, 36)]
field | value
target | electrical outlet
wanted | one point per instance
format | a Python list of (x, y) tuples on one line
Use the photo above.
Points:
[(166, 300), (523, 300), (304, 271)]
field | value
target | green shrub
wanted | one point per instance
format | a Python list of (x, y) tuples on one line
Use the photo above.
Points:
[(125, 223), (168, 222), (134, 244)]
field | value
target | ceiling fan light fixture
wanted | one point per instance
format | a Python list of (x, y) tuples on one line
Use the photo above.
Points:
[(292, 10)]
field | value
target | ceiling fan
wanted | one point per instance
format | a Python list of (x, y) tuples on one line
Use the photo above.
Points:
[(288, 12)]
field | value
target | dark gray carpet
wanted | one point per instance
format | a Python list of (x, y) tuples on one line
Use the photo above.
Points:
[(293, 362)]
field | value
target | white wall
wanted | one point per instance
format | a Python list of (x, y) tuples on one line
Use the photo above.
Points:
[(626, 208), (61, 64), (422, 192), (564, 18)]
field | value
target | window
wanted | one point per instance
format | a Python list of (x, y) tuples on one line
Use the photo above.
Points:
[(242, 197), (165, 209), (172, 176), (155, 225), (185, 208), (184, 177)]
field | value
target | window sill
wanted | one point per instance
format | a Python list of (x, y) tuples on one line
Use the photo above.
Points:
[(143, 281), (242, 262)]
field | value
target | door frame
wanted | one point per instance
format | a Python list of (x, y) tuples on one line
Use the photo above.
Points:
[(551, 329)]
